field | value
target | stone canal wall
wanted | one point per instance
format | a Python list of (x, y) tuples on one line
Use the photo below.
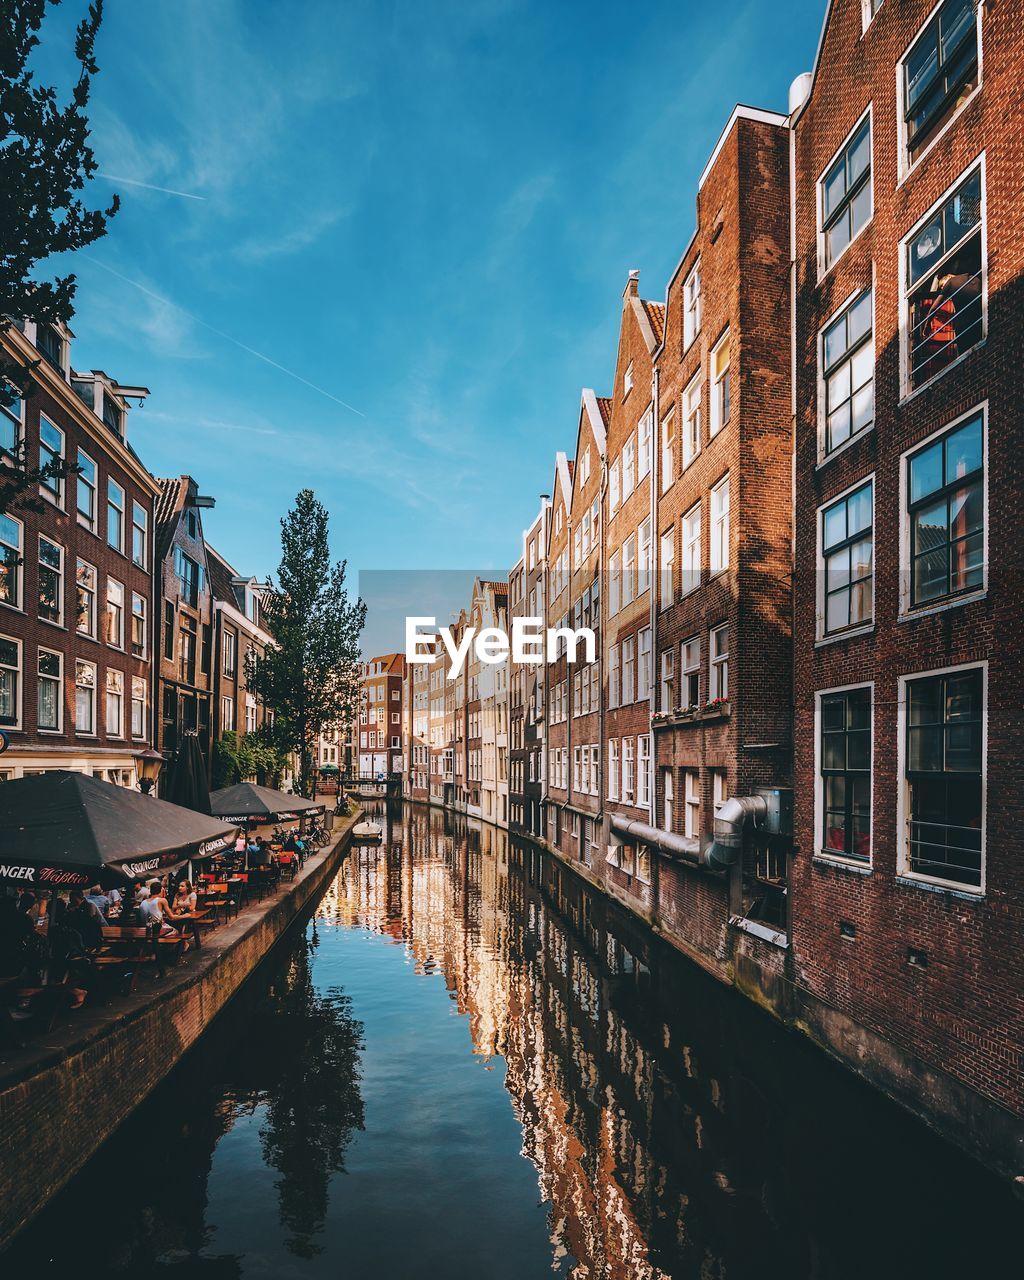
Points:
[(65, 1095)]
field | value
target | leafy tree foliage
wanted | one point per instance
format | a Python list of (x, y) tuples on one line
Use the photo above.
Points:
[(45, 162), (310, 675), (239, 759)]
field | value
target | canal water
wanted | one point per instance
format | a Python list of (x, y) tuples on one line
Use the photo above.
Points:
[(466, 1065)]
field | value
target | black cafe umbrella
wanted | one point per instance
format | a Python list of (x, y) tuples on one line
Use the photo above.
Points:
[(245, 802), (188, 785), (67, 829)]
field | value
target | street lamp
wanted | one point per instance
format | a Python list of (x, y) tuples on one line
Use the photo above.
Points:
[(148, 765)]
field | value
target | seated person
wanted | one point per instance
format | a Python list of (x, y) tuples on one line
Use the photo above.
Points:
[(156, 911), (185, 897), (99, 900), (86, 919)]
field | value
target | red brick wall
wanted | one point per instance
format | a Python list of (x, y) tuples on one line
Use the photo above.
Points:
[(63, 527), (964, 1013)]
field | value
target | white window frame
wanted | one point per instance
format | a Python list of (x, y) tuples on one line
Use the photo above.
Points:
[(824, 453), (717, 659), (119, 693), (903, 870), (691, 804), (907, 611), (629, 771), (614, 778), (691, 306), (20, 675), (667, 567), (614, 488), (866, 15), (904, 166), (821, 635), (692, 551), (717, 421), (91, 629), (629, 479), (55, 497), (692, 410), (906, 391), (18, 568), (141, 735), (614, 677), (819, 202), (59, 680), (643, 771), (644, 670), (687, 669), (627, 380), (721, 529), (819, 852), (668, 450), (119, 643), (61, 587), (92, 732), (113, 486), (80, 484), (666, 680), (644, 443)]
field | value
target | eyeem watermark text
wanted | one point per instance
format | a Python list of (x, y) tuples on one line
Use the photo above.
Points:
[(531, 642)]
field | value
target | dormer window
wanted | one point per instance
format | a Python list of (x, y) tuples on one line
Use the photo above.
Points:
[(113, 414), (50, 346), (250, 604)]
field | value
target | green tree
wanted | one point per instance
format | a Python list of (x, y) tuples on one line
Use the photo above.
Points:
[(310, 675), (45, 162), (253, 755)]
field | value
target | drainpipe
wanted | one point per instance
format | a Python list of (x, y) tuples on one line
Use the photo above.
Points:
[(654, 593), (724, 850)]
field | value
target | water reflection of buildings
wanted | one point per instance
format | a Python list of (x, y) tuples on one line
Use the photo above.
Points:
[(583, 1076)]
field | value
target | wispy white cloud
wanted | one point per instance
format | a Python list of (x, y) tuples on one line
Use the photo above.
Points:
[(149, 186), (294, 239)]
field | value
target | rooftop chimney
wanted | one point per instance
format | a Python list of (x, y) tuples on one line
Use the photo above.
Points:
[(632, 289)]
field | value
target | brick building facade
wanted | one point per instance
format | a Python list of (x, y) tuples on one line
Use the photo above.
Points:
[(908, 894), (76, 584)]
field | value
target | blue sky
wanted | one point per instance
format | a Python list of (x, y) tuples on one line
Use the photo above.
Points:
[(424, 212)]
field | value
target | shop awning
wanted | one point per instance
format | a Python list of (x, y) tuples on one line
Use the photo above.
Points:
[(68, 829), (246, 802)]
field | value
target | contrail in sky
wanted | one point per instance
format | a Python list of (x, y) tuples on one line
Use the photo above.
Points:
[(134, 182), (226, 336)]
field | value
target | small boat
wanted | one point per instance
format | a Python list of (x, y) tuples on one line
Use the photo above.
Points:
[(366, 831)]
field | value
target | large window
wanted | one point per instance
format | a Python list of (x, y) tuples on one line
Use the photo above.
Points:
[(691, 306), (11, 423), (613, 769), (945, 488), (643, 671), (115, 704), (191, 576), (720, 525), (629, 586), (689, 654), (85, 697), (49, 699), (667, 559), (139, 627), (85, 592), (629, 670), (691, 809), (140, 531), (943, 273), (691, 550), (721, 385), (691, 421), (668, 450), (944, 753), (940, 72), (86, 488), (846, 773), (115, 515), (51, 452), (138, 707), (848, 561), (845, 199), (628, 770), (848, 372), (10, 682), (614, 692), (644, 433), (644, 552), (115, 614), (666, 686), (643, 770), (11, 534), (51, 581), (719, 662)]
